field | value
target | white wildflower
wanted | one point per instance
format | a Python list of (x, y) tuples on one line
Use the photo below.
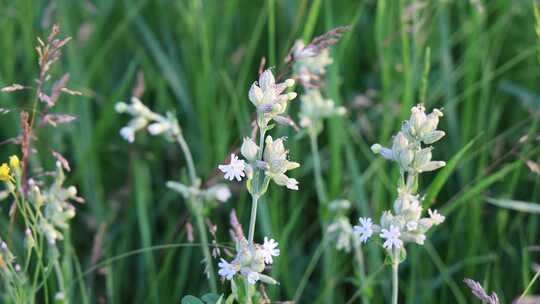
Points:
[(269, 250), (128, 134), (364, 230), (227, 270), (436, 217), (391, 237), (234, 170)]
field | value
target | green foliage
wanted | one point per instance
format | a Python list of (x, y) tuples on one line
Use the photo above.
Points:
[(198, 57)]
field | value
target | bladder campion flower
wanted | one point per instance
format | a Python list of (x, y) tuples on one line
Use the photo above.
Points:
[(235, 168), (405, 222)]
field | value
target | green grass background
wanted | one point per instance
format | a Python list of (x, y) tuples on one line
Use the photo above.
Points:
[(199, 58)]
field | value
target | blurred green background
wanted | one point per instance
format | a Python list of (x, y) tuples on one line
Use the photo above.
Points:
[(199, 59)]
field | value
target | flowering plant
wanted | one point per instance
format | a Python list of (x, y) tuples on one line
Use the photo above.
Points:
[(262, 163), (405, 222)]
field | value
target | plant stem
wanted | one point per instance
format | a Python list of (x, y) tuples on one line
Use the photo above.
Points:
[(206, 250), (257, 183), (319, 184), (253, 217), (189, 159), (395, 287), (196, 207)]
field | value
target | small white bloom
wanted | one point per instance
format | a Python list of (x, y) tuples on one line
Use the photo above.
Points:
[(128, 134), (269, 249), (235, 169), (223, 194), (365, 230), (227, 270), (436, 217), (392, 238)]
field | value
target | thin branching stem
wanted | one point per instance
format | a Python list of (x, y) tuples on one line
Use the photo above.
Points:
[(197, 210), (257, 185)]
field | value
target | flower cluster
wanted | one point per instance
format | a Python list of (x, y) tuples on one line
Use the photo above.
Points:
[(407, 148), (310, 64), (314, 108), (274, 164), (310, 68), (250, 261), (144, 118), (269, 98), (405, 222), (10, 271), (54, 203)]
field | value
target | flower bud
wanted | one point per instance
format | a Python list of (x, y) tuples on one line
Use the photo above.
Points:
[(290, 82), (267, 80), (120, 107), (249, 149), (291, 95), (255, 94), (431, 121), (432, 166), (432, 137), (418, 117), (158, 128), (14, 162)]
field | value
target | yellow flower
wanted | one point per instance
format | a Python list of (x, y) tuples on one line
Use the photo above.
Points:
[(5, 175), (14, 162)]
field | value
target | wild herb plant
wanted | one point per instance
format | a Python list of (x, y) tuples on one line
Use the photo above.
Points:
[(262, 163), (34, 269), (199, 200), (405, 223)]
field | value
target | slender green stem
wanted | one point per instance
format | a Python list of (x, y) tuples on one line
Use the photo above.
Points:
[(395, 282), (319, 184), (360, 260), (253, 217), (197, 210), (189, 159), (206, 250), (257, 184)]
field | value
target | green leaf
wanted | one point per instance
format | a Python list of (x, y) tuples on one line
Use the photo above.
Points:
[(191, 300), (479, 187), (528, 207), (211, 298), (445, 173)]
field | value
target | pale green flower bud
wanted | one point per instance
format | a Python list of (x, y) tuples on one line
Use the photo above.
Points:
[(249, 149), (417, 120), (431, 166), (255, 94), (431, 121), (421, 158), (432, 137), (120, 107), (267, 80)]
